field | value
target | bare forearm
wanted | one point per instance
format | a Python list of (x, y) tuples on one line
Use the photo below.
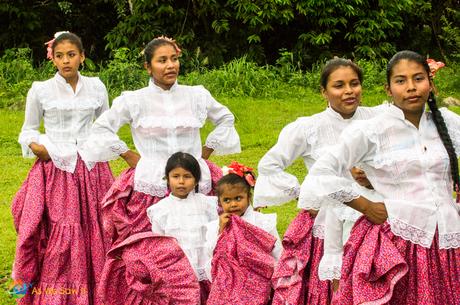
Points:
[(206, 152)]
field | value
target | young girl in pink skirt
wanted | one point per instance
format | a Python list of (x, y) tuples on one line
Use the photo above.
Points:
[(57, 214), (243, 245), (296, 275), (406, 250), (165, 117), (184, 213)]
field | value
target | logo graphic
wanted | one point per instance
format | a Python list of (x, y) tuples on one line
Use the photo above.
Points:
[(18, 289)]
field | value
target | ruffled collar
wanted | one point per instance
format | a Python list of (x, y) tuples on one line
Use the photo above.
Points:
[(158, 89), (190, 196), (334, 114), (62, 81)]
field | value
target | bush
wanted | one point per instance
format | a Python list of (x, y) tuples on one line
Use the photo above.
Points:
[(123, 73), (238, 78)]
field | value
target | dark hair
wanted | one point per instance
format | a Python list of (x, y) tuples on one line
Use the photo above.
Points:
[(185, 161), (153, 45), (232, 179), (436, 114), (72, 38), (336, 63)]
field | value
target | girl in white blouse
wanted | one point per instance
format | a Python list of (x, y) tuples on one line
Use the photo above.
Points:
[(57, 211), (165, 117), (408, 250), (309, 138), (185, 212)]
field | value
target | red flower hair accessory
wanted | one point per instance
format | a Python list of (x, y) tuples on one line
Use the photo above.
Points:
[(241, 170), (178, 50), (434, 66)]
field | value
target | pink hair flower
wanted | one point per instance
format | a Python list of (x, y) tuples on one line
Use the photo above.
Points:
[(434, 66), (49, 44), (178, 50)]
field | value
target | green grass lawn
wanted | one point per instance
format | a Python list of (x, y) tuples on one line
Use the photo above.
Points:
[(258, 122)]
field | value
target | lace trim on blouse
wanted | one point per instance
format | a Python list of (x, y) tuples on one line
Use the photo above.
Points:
[(449, 241), (329, 273), (410, 233), (213, 144), (65, 164), (344, 195), (119, 148), (318, 231)]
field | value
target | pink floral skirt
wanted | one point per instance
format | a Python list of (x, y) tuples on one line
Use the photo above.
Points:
[(295, 279), (242, 265), (125, 214), (60, 246), (146, 269), (382, 268)]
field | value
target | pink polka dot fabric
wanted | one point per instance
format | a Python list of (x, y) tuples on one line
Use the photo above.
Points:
[(382, 268), (146, 269), (295, 279), (60, 245), (242, 265)]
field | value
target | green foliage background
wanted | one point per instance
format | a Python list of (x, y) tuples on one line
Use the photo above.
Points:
[(222, 30)]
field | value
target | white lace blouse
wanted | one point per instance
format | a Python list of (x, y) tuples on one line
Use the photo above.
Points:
[(266, 222), (408, 166), (339, 222), (185, 220), (308, 138), (67, 117), (163, 122)]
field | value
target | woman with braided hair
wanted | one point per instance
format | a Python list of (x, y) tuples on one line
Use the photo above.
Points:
[(406, 249)]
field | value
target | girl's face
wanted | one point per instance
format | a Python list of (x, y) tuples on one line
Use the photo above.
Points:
[(343, 91), (67, 58), (409, 86), (234, 199), (164, 66), (181, 182)]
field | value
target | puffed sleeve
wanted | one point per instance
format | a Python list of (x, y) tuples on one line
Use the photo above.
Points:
[(224, 139), (328, 178), (274, 186), (158, 217), (452, 121), (331, 262), (103, 144), (33, 116), (104, 96)]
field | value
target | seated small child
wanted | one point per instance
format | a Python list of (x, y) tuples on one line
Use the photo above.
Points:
[(241, 240), (185, 213), (340, 219), (234, 194)]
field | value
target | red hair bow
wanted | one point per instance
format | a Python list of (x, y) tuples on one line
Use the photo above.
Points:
[(241, 170)]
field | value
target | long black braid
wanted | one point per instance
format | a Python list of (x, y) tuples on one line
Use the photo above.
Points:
[(436, 114), (445, 138)]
